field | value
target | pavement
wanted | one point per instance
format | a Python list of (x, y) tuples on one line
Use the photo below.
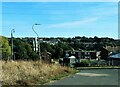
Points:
[(91, 77)]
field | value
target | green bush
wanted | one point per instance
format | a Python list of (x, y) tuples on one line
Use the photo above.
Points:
[(85, 63)]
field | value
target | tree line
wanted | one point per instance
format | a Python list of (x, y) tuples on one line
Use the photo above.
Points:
[(23, 47)]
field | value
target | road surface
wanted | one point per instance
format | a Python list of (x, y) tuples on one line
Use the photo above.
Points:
[(91, 77)]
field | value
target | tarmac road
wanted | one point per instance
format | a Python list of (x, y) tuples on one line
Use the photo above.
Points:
[(91, 77)]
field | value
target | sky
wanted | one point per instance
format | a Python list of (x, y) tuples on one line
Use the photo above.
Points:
[(60, 19)]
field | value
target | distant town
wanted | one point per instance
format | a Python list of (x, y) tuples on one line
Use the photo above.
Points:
[(76, 51)]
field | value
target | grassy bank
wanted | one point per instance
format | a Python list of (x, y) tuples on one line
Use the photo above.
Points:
[(32, 72)]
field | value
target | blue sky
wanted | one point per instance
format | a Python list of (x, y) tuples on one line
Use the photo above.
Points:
[(60, 19)]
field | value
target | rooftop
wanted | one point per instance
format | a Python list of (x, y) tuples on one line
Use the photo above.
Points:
[(115, 56)]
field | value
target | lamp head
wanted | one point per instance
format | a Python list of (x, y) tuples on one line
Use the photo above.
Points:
[(13, 30), (37, 24)]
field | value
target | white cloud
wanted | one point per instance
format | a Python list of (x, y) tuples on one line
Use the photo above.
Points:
[(73, 23)]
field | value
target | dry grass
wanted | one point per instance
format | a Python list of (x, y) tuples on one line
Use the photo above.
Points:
[(31, 72)]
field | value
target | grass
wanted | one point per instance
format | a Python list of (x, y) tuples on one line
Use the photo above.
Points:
[(105, 67), (32, 72), (99, 67)]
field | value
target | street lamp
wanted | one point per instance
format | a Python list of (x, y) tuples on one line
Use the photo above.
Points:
[(12, 31), (38, 39)]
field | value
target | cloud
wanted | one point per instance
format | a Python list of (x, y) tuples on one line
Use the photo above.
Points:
[(73, 23)]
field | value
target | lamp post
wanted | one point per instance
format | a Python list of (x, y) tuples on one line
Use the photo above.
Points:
[(37, 39), (12, 31)]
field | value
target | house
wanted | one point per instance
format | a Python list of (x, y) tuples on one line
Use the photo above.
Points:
[(89, 55), (70, 58), (75, 53), (78, 56), (111, 48), (70, 61), (87, 44), (98, 55), (114, 60)]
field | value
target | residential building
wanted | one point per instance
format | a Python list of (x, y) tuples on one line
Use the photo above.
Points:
[(114, 60)]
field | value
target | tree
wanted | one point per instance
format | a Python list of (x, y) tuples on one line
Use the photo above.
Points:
[(23, 50), (104, 53), (5, 48), (84, 39), (59, 52), (69, 40), (96, 39)]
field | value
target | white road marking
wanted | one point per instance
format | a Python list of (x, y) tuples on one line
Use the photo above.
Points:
[(92, 74)]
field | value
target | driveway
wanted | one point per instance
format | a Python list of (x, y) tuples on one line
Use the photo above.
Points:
[(91, 77)]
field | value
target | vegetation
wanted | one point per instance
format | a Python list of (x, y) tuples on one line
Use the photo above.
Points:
[(5, 48), (23, 47), (85, 63), (56, 50), (32, 72), (23, 50)]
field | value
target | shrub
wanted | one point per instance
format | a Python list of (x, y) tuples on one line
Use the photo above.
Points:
[(83, 63)]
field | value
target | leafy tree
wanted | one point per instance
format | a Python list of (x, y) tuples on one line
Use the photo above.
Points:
[(23, 50), (58, 52), (33, 56), (69, 40), (104, 53), (96, 39), (5, 48), (84, 39)]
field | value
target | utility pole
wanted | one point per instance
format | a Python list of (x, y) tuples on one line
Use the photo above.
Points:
[(12, 54), (37, 40)]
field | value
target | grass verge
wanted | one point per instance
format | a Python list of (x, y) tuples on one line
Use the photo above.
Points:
[(32, 72)]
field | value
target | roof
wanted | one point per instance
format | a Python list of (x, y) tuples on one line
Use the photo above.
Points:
[(72, 57), (115, 56), (49, 53)]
